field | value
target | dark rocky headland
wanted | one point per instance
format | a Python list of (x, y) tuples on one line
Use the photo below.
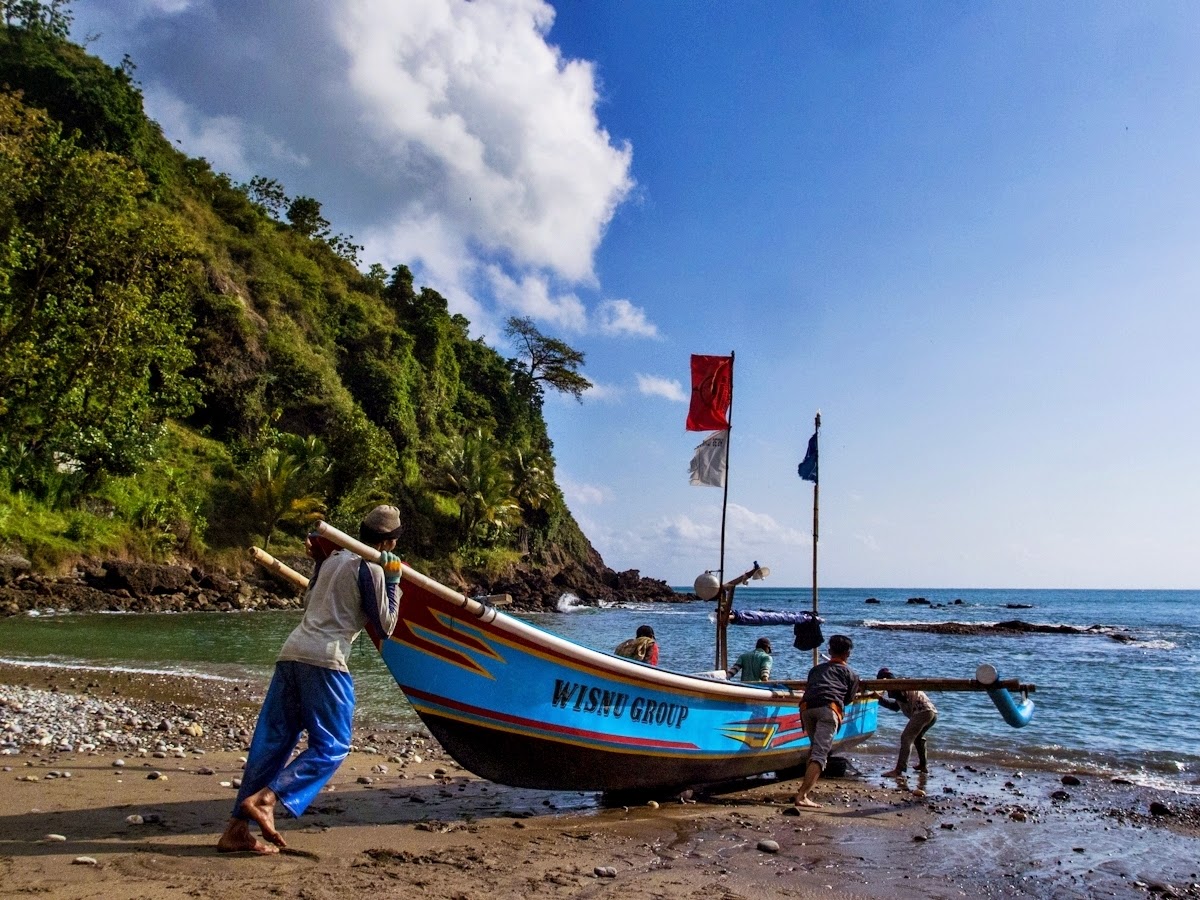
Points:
[(128, 586)]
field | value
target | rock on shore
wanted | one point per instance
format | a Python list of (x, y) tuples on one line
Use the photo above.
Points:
[(124, 586)]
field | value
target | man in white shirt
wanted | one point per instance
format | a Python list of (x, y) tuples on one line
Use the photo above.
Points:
[(312, 690)]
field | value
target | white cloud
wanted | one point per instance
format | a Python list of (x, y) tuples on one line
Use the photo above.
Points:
[(170, 7), (499, 126), (227, 142), (620, 317), (682, 529), (868, 541), (450, 136), (656, 386), (222, 140), (532, 296), (761, 528), (605, 392), (580, 493), (443, 261)]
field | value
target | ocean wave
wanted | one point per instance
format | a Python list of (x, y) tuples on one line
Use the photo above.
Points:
[(1146, 769), (78, 666), (569, 602)]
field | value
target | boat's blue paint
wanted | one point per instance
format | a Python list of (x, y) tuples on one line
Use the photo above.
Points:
[(613, 723), (1015, 714)]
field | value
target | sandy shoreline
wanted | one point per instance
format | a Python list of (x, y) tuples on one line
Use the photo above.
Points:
[(401, 817)]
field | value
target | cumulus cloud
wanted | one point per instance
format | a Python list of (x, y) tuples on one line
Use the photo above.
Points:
[(667, 388), (532, 296), (620, 317), (454, 137), (754, 527), (745, 530), (222, 140), (501, 127), (683, 529)]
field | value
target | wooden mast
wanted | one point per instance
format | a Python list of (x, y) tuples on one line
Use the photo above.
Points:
[(725, 600), (816, 495)]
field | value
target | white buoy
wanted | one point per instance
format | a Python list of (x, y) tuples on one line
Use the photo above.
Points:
[(707, 586)]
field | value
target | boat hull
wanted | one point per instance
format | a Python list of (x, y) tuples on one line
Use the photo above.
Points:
[(523, 707)]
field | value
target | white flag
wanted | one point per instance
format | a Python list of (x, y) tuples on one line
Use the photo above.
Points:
[(708, 465)]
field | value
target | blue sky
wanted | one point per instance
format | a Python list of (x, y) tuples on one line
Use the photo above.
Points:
[(967, 233)]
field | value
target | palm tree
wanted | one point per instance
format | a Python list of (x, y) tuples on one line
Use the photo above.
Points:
[(475, 477), (533, 486), (287, 487)]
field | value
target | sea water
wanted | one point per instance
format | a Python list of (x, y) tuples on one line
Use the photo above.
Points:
[(1102, 705)]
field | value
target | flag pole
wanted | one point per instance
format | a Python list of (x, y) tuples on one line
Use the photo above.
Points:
[(722, 607), (816, 494)]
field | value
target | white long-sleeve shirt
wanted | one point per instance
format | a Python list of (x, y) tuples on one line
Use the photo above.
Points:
[(335, 614)]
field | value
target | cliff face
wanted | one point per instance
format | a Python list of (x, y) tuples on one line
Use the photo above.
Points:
[(540, 583)]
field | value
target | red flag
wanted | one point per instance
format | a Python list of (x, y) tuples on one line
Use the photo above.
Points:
[(712, 392)]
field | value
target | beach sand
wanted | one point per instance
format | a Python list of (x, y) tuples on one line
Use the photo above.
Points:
[(402, 819)]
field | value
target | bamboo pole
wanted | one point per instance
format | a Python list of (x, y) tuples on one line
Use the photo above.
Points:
[(880, 685), (370, 554), (722, 646), (816, 494), (288, 574)]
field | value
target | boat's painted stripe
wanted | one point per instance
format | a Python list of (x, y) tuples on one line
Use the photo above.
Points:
[(768, 757), (533, 725), (760, 741)]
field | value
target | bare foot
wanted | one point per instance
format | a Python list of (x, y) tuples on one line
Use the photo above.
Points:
[(893, 773), (237, 838), (807, 803), (261, 808)]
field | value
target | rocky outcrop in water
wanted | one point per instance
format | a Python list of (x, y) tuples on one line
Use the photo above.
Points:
[(1016, 626)]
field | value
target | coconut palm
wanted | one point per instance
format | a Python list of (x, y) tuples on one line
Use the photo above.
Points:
[(475, 477), (533, 486), (288, 485)]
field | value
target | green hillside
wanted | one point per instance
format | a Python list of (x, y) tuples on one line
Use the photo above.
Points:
[(188, 365)]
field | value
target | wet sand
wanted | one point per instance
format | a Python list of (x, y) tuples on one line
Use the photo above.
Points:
[(400, 818)]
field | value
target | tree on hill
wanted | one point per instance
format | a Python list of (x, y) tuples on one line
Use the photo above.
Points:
[(547, 361), (93, 323), (51, 17)]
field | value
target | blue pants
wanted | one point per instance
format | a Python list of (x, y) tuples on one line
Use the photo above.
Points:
[(301, 698)]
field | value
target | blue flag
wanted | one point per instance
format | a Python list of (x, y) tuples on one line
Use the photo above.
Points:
[(808, 468)]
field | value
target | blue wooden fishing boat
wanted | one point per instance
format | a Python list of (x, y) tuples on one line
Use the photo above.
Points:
[(520, 706)]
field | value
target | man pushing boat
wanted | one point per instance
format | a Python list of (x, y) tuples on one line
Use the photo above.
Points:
[(830, 688), (311, 689)]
